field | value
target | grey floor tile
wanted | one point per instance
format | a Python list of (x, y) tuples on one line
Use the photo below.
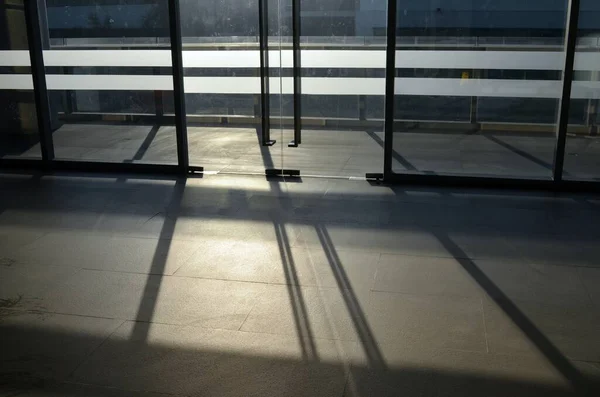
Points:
[(360, 190), (230, 259), (523, 281), (591, 279), (48, 345), (477, 243), (12, 238), (279, 263), (202, 362), (163, 299), (386, 239), (432, 321), (421, 275), (560, 249), (305, 311), (186, 228), (33, 387), (346, 269), (523, 327), (590, 372), (421, 371), (106, 252), (343, 211), (51, 219), (24, 287)]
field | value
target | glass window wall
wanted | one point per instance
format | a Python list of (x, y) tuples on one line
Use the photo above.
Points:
[(109, 77), (582, 153), (19, 137), (477, 87)]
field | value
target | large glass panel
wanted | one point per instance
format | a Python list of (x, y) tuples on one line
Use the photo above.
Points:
[(109, 76), (343, 86), (477, 86), (18, 122), (582, 154), (221, 60)]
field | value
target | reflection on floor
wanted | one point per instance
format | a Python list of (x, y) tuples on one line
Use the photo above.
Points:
[(239, 286), (330, 152)]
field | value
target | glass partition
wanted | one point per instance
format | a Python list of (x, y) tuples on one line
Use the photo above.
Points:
[(109, 77), (19, 136), (582, 153), (221, 59), (477, 87), (342, 87)]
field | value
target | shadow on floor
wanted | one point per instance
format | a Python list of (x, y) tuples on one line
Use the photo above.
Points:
[(179, 370), (255, 375)]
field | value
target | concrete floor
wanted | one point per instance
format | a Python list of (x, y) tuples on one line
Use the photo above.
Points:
[(330, 152), (239, 286)]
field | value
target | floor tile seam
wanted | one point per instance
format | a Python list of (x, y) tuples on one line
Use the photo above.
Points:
[(186, 261), (23, 265), (59, 313), (43, 234), (180, 276), (587, 361), (430, 295), (477, 258), (101, 386), (278, 334), (385, 251), (95, 232), (95, 349), (377, 268), (586, 289), (485, 332), (73, 314), (163, 275), (294, 335)]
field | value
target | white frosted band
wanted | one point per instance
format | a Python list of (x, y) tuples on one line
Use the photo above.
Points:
[(222, 85), (74, 58), (357, 59), (486, 88), (15, 58), (311, 86), (221, 59), (109, 82), (16, 82)]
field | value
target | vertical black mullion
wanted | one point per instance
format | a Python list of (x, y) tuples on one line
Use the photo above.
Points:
[(178, 88), (263, 28), (390, 77), (297, 76), (565, 99), (38, 74)]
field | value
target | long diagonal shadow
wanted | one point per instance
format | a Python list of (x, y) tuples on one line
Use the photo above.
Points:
[(149, 297), (520, 152), (543, 344), (397, 156), (297, 302), (146, 144), (305, 335), (361, 325)]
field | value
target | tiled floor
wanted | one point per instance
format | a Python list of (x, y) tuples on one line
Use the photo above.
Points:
[(121, 285)]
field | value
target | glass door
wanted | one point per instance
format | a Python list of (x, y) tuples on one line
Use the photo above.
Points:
[(337, 81), (294, 85), (224, 78)]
